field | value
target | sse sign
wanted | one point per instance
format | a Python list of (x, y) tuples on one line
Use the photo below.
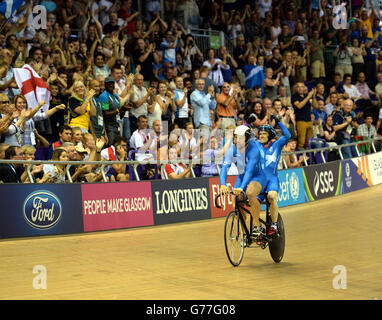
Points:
[(323, 181)]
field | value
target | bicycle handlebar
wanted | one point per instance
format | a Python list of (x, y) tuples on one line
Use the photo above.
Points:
[(243, 201)]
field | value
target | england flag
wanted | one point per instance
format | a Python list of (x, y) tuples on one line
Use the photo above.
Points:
[(32, 87)]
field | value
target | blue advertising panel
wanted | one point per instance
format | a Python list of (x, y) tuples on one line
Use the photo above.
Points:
[(37, 210), (291, 187), (352, 176)]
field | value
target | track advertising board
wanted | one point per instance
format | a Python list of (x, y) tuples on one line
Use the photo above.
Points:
[(180, 200), (322, 181), (37, 210), (291, 189), (225, 202), (373, 168), (355, 174), (116, 205)]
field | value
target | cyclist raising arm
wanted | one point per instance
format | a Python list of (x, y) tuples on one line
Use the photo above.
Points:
[(270, 152)]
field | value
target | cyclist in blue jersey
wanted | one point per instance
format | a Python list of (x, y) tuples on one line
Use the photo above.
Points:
[(270, 152), (245, 154)]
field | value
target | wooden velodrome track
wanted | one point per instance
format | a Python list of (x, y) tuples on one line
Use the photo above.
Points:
[(188, 260)]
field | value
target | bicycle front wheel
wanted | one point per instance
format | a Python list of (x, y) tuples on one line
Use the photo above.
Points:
[(234, 238), (277, 246)]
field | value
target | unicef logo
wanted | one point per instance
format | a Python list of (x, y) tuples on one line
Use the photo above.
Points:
[(294, 186), (42, 210)]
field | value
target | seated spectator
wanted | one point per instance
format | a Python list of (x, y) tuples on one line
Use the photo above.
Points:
[(367, 129), (293, 160), (317, 140), (77, 136), (11, 172), (329, 132), (139, 138), (176, 170), (117, 152), (319, 112), (65, 135), (55, 173), (28, 153), (212, 155)]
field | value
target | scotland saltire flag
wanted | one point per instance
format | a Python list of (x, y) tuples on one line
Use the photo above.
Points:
[(254, 76), (9, 7)]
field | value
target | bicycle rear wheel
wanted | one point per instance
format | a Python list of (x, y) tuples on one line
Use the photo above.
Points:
[(234, 238), (277, 246)]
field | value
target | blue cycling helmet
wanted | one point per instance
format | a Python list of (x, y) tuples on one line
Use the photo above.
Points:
[(268, 128)]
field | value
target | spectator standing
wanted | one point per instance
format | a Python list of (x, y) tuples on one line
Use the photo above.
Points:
[(162, 102), (202, 103), (139, 99), (357, 60), (81, 107), (343, 54), (215, 66), (345, 125), (113, 107), (302, 109), (97, 122), (181, 102), (227, 104)]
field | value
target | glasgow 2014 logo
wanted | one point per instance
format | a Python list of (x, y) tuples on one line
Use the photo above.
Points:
[(42, 209)]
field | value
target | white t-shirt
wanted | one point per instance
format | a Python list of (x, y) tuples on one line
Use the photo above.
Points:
[(352, 91), (137, 140), (181, 112)]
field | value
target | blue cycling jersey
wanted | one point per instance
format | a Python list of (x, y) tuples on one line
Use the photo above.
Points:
[(270, 156), (248, 163)]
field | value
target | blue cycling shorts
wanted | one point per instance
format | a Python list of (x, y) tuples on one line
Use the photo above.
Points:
[(271, 184)]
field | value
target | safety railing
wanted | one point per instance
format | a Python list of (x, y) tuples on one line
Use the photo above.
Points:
[(208, 38), (162, 163)]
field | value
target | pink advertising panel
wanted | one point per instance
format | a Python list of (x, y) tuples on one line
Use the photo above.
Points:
[(116, 205)]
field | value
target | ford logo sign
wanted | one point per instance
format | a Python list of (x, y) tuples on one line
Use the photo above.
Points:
[(42, 210)]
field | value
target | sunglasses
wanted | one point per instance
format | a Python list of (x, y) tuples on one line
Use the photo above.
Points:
[(4, 101)]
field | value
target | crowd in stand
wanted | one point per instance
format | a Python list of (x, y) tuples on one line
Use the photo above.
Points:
[(130, 85)]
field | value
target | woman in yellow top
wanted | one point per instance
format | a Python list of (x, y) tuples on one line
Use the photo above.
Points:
[(81, 107)]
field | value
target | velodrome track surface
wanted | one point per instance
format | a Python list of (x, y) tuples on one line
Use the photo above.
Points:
[(188, 260)]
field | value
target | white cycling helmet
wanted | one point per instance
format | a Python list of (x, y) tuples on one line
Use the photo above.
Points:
[(243, 131)]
